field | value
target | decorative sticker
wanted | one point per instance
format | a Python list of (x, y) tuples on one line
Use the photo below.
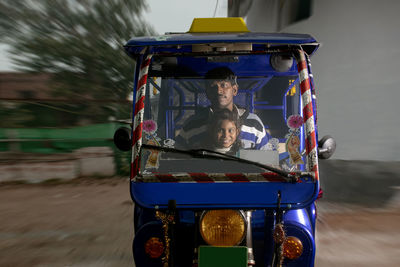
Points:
[(273, 144), (292, 144), (169, 143), (150, 128)]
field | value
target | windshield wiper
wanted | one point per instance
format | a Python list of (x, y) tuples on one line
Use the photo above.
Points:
[(210, 154)]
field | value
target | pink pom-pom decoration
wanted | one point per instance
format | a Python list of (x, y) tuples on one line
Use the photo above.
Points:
[(149, 126), (295, 121)]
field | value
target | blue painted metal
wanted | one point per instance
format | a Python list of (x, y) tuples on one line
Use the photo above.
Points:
[(250, 37), (312, 214), (298, 223), (224, 195), (168, 43), (249, 65)]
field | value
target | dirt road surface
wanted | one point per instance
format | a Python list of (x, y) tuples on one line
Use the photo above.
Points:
[(88, 222)]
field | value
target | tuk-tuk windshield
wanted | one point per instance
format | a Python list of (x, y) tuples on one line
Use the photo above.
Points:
[(247, 106)]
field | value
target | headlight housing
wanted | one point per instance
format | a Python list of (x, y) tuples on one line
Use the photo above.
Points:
[(223, 227)]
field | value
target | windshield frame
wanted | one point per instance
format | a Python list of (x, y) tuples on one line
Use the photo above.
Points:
[(139, 96)]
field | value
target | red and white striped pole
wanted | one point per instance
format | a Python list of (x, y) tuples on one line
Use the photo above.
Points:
[(308, 116), (138, 116)]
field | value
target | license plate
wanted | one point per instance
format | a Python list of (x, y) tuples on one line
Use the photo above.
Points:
[(222, 256)]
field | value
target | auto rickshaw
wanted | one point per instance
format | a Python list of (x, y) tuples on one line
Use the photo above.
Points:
[(200, 206)]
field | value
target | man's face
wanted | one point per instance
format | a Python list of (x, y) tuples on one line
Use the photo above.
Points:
[(221, 94), (226, 134)]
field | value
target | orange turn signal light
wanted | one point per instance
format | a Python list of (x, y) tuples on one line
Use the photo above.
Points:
[(292, 248), (154, 247)]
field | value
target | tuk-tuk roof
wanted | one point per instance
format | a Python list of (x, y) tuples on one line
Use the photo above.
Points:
[(178, 42)]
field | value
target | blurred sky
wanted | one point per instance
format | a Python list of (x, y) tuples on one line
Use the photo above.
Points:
[(177, 15)]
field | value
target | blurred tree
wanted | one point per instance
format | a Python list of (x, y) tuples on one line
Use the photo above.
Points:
[(80, 43)]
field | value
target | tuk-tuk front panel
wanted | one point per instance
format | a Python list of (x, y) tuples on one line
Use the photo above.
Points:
[(240, 194)]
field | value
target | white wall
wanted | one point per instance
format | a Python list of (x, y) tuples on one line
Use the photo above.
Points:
[(357, 75)]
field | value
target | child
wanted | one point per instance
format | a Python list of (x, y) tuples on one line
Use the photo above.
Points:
[(224, 130)]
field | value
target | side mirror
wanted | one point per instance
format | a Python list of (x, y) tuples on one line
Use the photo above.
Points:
[(326, 147), (122, 139)]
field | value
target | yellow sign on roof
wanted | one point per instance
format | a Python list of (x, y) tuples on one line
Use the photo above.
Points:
[(207, 25)]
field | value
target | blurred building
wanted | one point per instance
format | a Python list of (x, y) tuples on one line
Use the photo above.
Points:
[(24, 86), (38, 152)]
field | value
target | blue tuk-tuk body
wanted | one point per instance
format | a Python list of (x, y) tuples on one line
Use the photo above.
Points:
[(176, 189)]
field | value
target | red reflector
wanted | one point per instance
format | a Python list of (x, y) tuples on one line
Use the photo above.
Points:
[(154, 247)]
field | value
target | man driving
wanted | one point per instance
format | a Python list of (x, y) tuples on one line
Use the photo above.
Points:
[(221, 87)]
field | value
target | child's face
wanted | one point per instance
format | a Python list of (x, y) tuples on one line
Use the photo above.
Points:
[(226, 134)]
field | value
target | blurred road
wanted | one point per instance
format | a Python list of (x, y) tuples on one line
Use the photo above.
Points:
[(86, 223), (89, 223), (357, 236)]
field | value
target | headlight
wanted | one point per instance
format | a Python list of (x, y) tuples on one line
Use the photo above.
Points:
[(223, 227), (292, 248)]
